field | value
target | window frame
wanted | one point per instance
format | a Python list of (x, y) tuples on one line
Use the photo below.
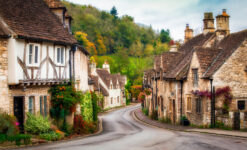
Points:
[(195, 77), (60, 54), (188, 104), (34, 58), (241, 100), (31, 108), (198, 103)]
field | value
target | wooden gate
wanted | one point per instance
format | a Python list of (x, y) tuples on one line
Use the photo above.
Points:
[(236, 120)]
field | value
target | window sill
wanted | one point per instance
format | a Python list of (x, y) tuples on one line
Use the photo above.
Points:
[(33, 65)]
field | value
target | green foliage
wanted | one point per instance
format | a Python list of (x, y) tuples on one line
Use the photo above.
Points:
[(165, 36), (37, 124), (165, 120), (87, 107), (154, 115), (18, 139), (51, 136), (8, 124), (95, 106), (114, 11), (145, 111), (221, 125), (83, 127)]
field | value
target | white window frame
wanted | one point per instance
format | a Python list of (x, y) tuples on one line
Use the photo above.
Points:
[(32, 61), (61, 60)]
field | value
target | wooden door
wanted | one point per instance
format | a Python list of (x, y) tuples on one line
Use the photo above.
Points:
[(19, 111)]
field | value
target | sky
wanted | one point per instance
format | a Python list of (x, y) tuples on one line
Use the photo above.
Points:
[(175, 14)]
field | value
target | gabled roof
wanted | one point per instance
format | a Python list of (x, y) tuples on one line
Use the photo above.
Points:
[(105, 76), (32, 19), (103, 90), (227, 46)]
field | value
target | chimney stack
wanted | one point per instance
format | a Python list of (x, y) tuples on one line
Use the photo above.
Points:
[(106, 66), (222, 22), (57, 8), (188, 33), (208, 23)]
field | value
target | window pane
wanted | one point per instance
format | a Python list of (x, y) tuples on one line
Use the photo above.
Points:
[(41, 105), (30, 53), (62, 55), (36, 54), (30, 105), (45, 105), (58, 55), (195, 77)]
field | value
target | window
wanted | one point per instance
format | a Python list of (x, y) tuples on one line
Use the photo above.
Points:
[(198, 105), (60, 55), (43, 105), (33, 54), (31, 104), (170, 105), (241, 104), (245, 116), (188, 103), (162, 105), (195, 77)]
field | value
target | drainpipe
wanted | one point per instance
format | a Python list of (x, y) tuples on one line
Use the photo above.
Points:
[(181, 101), (212, 104), (156, 97)]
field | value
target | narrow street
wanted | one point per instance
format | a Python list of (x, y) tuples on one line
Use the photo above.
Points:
[(122, 132)]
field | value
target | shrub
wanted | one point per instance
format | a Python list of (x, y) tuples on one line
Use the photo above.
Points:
[(37, 124), (221, 125), (87, 107), (154, 115), (8, 124), (95, 106), (184, 121), (165, 120), (66, 128), (19, 138), (51, 136), (145, 111), (83, 127)]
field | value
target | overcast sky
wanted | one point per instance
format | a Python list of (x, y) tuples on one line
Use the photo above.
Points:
[(174, 14)]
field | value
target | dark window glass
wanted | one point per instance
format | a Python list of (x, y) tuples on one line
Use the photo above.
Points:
[(30, 53), (241, 105), (41, 105), (30, 104), (62, 55), (198, 105), (195, 77), (58, 55), (36, 54), (45, 106)]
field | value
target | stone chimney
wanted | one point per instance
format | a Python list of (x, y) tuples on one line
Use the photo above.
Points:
[(106, 66), (57, 8), (174, 48), (188, 33), (208, 23), (222, 22), (93, 68)]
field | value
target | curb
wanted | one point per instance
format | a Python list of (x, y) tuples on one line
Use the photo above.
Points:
[(61, 141), (147, 124)]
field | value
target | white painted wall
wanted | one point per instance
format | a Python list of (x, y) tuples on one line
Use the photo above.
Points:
[(16, 49)]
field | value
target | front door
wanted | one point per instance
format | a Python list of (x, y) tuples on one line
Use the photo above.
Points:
[(18, 111), (174, 111)]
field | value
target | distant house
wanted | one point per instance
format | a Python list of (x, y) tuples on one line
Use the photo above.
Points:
[(37, 50), (183, 80), (112, 86)]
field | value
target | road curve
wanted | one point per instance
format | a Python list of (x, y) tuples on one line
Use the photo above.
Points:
[(122, 132)]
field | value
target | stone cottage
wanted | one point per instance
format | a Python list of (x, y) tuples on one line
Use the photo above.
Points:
[(204, 79), (37, 51), (112, 86)]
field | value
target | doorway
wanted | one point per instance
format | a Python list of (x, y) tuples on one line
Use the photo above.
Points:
[(174, 111), (19, 111)]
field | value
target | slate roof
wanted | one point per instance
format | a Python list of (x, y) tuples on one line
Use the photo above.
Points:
[(32, 19), (227, 46), (4, 32), (103, 90), (105, 76)]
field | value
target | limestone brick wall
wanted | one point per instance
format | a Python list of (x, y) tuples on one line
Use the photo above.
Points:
[(204, 117), (36, 92), (4, 91)]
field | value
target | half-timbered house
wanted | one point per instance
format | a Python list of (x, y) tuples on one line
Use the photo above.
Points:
[(37, 48)]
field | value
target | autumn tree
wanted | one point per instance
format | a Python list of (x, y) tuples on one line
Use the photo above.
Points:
[(101, 48), (81, 37)]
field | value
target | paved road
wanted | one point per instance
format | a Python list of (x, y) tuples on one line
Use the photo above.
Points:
[(122, 132)]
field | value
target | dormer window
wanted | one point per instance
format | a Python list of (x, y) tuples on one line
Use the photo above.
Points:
[(33, 54), (60, 55)]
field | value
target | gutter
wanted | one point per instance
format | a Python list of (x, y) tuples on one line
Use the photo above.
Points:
[(181, 101), (212, 104)]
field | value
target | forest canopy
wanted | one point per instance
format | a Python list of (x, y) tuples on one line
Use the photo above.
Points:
[(129, 47)]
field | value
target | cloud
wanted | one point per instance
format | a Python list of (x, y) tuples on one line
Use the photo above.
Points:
[(174, 14)]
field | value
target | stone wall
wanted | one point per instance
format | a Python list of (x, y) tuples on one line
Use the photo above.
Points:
[(26, 93), (4, 91)]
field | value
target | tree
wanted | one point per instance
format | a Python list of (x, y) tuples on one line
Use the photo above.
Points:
[(81, 37), (165, 36), (114, 12), (101, 48)]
